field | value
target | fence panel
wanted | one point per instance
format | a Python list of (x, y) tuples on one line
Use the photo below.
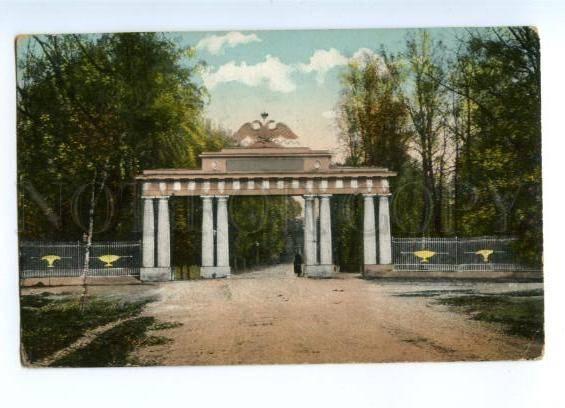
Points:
[(424, 254), (66, 259), (455, 254), (487, 254)]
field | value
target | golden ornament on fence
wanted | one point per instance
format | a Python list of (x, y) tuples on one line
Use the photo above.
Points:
[(108, 259), (50, 259), (424, 255), (485, 253)]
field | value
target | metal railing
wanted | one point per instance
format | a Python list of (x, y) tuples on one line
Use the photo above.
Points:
[(456, 254), (66, 259)]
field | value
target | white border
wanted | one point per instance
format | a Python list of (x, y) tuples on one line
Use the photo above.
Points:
[(514, 384)]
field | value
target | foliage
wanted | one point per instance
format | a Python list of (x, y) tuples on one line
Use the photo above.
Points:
[(501, 154), (372, 117), (95, 111), (469, 158), (347, 231), (425, 101), (259, 228)]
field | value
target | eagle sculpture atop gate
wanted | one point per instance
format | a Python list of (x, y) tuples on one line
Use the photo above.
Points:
[(266, 133)]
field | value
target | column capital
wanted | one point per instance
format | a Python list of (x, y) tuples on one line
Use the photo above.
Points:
[(369, 195), (164, 197), (384, 195), (149, 197), (309, 196), (222, 197), (326, 196), (206, 197)]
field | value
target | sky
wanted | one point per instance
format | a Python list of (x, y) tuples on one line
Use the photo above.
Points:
[(292, 75)]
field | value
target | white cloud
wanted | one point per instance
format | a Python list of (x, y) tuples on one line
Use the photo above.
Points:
[(272, 72), (277, 76), (362, 53), (322, 61), (214, 44), (329, 114)]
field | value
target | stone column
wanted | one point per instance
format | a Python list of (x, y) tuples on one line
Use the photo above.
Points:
[(315, 212), (207, 232), (325, 231), (385, 245), (309, 243), (148, 233), (369, 237), (222, 234), (163, 234)]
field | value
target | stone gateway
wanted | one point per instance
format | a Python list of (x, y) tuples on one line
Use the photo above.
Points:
[(265, 168)]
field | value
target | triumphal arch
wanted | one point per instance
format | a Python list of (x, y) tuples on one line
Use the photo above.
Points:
[(264, 167)]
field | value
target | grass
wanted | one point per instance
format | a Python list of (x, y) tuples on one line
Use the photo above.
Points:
[(113, 348), (519, 313), (50, 323), (434, 293)]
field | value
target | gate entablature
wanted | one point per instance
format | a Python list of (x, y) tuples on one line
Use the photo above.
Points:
[(266, 171)]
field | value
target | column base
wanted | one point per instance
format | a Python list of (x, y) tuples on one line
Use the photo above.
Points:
[(377, 270), (213, 272), (155, 274), (319, 271)]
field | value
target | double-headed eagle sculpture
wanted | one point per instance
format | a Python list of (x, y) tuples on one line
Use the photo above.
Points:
[(266, 133)]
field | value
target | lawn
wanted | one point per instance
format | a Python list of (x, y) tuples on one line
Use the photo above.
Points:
[(52, 322), (519, 313)]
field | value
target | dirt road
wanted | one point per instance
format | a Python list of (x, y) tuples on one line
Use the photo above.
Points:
[(271, 316)]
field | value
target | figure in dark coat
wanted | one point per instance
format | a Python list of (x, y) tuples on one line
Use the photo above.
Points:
[(297, 264)]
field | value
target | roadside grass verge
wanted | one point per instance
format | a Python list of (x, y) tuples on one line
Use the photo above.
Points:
[(112, 348), (519, 313), (52, 322)]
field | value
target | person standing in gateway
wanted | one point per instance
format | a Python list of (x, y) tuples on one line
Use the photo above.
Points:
[(297, 264)]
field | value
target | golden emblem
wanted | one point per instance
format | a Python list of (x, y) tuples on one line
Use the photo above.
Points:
[(424, 255), (109, 259), (50, 259), (485, 253)]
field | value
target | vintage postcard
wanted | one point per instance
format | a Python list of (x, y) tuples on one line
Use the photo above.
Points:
[(280, 197)]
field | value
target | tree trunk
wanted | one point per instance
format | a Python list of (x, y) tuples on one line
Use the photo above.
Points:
[(88, 242)]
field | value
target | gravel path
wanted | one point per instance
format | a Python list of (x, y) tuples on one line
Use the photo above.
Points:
[(270, 317)]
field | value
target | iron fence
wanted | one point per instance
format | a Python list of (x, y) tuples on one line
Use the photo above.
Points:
[(456, 254), (66, 259)]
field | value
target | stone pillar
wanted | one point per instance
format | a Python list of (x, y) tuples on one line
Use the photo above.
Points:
[(309, 243), (163, 234), (325, 231), (148, 233), (312, 268), (160, 270), (369, 236), (385, 244), (316, 244), (220, 268), (222, 234), (207, 232)]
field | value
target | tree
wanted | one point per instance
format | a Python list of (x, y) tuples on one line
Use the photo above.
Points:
[(372, 116), (427, 110), (93, 111), (501, 163)]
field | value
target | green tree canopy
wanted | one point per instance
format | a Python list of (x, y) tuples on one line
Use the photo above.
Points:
[(94, 111)]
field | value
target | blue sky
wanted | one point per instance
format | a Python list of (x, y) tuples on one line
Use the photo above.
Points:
[(293, 75)]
